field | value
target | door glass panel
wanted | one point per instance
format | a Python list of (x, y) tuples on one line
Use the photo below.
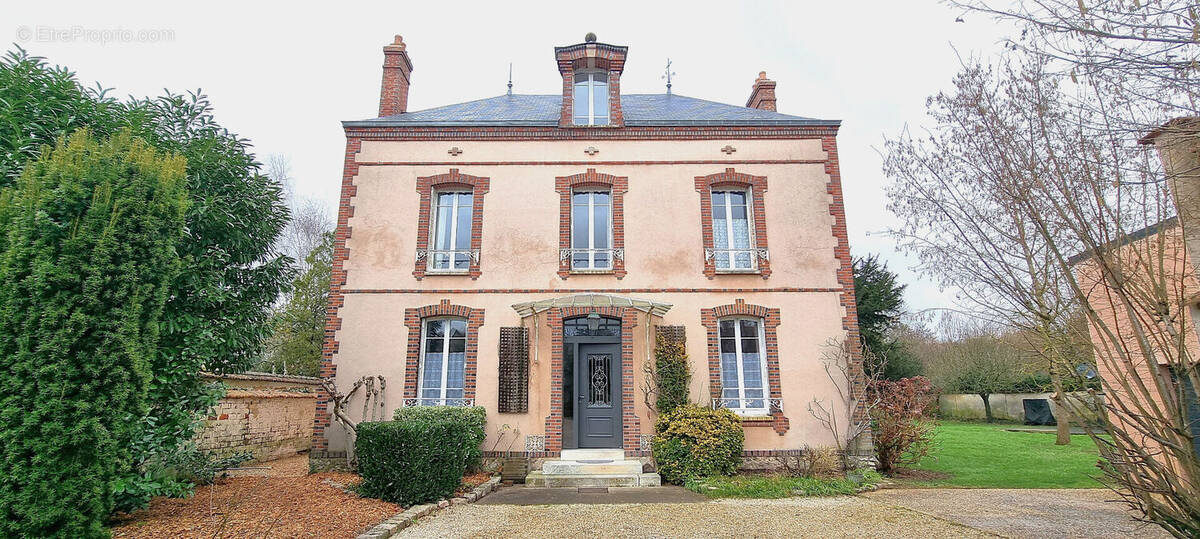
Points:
[(599, 382)]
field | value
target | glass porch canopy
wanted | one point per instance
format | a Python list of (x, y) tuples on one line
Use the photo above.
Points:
[(530, 308)]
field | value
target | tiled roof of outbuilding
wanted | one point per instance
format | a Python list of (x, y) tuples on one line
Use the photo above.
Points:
[(640, 110)]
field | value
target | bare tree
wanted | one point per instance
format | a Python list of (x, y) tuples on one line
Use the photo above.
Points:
[(847, 415), (310, 220), (1021, 197)]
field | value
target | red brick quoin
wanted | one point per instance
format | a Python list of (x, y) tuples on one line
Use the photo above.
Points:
[(452, 180), (413, 319), (770, 318), (565, 186), (337, 299), (631, 426), (757, 185), (845, 273)]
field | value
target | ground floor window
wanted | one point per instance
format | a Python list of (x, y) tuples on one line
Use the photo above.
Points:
[(743, 365), (443, 362)]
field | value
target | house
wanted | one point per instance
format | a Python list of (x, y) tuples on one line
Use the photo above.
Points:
[(1156, 307), (524, 252)]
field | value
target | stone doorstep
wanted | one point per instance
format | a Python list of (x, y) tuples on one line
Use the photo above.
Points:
[(592, 454), (541, 479), (574, 467), (393, 525)]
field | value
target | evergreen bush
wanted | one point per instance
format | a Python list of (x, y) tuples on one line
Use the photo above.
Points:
[(421, 456), (86, 261), (692, 441)]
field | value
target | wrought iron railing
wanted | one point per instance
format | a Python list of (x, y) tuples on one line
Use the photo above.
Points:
[(759, 253), (743, 404), (612, 254), (439, 402), (433, 256)]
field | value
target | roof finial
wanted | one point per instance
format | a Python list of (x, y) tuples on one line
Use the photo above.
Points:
[(667, 74), (590, 37), (510, 78)]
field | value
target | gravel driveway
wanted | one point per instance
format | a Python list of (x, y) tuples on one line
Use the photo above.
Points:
[(792, 517), (924, 513)]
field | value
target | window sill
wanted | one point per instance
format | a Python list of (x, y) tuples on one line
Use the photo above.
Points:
[(440, 273), (757, 421), (591, 272), (739, 272)]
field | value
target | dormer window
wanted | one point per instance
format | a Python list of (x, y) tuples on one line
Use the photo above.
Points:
[(591, 98)]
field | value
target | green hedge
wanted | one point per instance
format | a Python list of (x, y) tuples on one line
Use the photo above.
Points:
[(692, 442), (422, 455)]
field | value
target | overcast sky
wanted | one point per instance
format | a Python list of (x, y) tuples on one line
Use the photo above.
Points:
[(284, 77)]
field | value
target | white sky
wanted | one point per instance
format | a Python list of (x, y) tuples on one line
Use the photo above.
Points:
[(284, 77)]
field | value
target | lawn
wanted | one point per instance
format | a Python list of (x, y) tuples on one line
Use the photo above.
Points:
[(981, 455)]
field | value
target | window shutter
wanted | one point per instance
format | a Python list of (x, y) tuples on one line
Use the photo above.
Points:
[(671, 334), (514, 370)]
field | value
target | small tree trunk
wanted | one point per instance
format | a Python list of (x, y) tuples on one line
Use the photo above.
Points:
[(1062, 417), (987, 407)]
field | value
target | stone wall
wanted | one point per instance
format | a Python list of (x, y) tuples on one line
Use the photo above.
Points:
[(1005, 406), (267, 415)]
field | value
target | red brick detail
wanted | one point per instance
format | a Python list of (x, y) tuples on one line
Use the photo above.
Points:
[(453, 179), (337, 280), (397, 70), (610, 58), (762, 96), (413, 319), (709, 318), (723, 133), (631, 425), (711, 290), (565, 186), (758, 193), (845, 272)]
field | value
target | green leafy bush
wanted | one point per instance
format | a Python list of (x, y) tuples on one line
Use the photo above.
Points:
[(87, 257), (422, 455), (672, 376), (692, 441), (473, 418)]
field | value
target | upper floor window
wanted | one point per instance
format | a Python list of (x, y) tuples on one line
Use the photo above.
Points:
[(591, 98), (452, 221), (743, 365), (731, 222), (443, 362), (591, 230)]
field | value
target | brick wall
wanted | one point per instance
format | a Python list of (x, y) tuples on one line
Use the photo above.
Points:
[(266, 415)]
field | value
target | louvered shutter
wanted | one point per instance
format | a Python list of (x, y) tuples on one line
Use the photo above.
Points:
[(514, 370)]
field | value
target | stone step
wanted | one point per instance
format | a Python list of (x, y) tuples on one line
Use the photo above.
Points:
[(574, 467), (592, 454), (539, 479)]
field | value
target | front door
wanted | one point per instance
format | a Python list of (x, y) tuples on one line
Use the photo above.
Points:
[(598, 395)]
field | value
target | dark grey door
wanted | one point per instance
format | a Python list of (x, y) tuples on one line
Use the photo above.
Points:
[(598, 395)]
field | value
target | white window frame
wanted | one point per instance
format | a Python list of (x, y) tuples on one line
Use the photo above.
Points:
[(591, 232), (741, 375), (431, 257), (442, 400), (750, 225), (591, 93)]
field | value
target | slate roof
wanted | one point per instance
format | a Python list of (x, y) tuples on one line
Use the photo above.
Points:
[(640, 110)]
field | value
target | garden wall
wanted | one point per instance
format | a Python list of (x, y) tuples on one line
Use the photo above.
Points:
[(1005, 406), (267, 415)]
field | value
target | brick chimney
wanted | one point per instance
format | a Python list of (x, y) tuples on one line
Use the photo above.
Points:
[(763, 95), (393, 92)]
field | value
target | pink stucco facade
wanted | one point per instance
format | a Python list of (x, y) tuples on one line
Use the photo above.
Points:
[(380, 227)]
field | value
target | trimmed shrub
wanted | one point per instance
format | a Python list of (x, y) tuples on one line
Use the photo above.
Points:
[(473, 419), (421, 456), (692, 442)]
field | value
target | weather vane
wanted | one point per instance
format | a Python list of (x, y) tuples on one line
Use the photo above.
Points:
[(510, 78), (667, 74)]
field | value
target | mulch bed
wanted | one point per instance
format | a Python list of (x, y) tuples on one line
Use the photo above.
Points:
[(283, 501), (470, 481)]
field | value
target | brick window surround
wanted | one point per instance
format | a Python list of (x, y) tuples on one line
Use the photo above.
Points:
[(710, 318), (605, 57), (565, 186), (757, 185), (631, 425), (413, 320), (426, 186)]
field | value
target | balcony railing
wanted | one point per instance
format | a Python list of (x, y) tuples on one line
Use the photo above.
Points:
[(730, 257), (433, 257), (745, 405), (608, 254), (439, 402)]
